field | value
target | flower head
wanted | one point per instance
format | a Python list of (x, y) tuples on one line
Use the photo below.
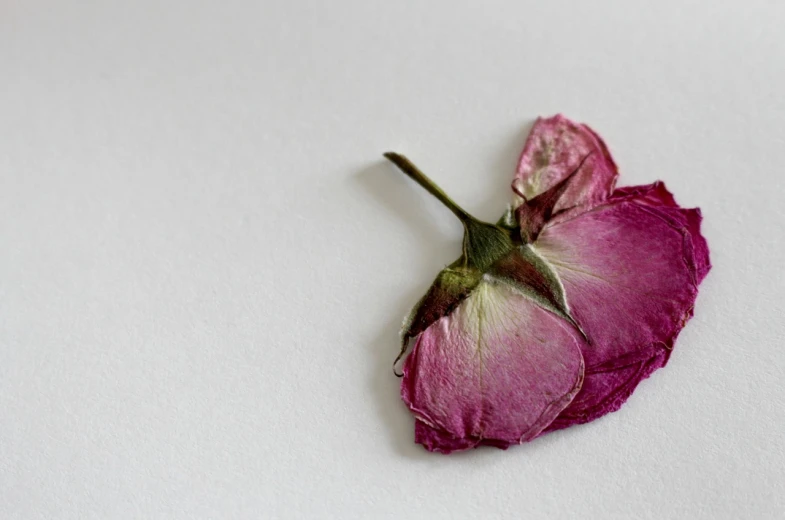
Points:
[(552, 316)]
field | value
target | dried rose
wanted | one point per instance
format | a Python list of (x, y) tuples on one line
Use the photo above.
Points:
[(552, 316)]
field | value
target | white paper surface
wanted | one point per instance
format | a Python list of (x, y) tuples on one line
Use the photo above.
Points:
[(205, 260)]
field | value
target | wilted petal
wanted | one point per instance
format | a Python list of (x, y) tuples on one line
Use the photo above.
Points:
[(436, 439), (534, 214), (497, 370), (701, 247), (630, 275), (657, 196), (554, 149), (604, 389)]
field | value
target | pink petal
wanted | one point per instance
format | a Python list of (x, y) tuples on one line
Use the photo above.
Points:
[(452, 285), (554, 149), (435, 439), (630, 271), (497, 370)]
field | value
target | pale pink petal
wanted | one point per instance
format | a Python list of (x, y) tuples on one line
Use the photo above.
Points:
[(497, 370), (452, 285), (630, 275), (555, 147)]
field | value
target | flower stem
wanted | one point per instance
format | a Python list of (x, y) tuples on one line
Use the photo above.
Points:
[(414, 173)]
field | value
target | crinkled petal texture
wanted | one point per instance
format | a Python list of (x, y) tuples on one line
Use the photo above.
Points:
[(623, 266), (497, 370), (630, 270), (656, 195), (554, 148)]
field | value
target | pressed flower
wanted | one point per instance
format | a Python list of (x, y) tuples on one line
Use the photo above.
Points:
[(552, 316)]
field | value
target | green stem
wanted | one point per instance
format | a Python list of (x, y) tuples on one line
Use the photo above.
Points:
[(414, 173)]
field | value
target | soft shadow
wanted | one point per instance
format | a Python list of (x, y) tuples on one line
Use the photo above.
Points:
[(500, 172), (386, 387), (405, 200), (402, 198)]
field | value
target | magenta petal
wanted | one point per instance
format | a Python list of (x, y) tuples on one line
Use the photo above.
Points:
[(702, 262), (656, 195), (497, 371), (605, 390), (554, 149), (435, 439), (630, 271)]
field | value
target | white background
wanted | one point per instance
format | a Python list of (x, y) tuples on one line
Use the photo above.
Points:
[(204, 260)]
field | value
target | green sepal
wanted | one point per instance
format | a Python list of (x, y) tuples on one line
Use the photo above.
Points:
[(528, 273), (483, 245), (496, 250), (450, 288), (508, 220)]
